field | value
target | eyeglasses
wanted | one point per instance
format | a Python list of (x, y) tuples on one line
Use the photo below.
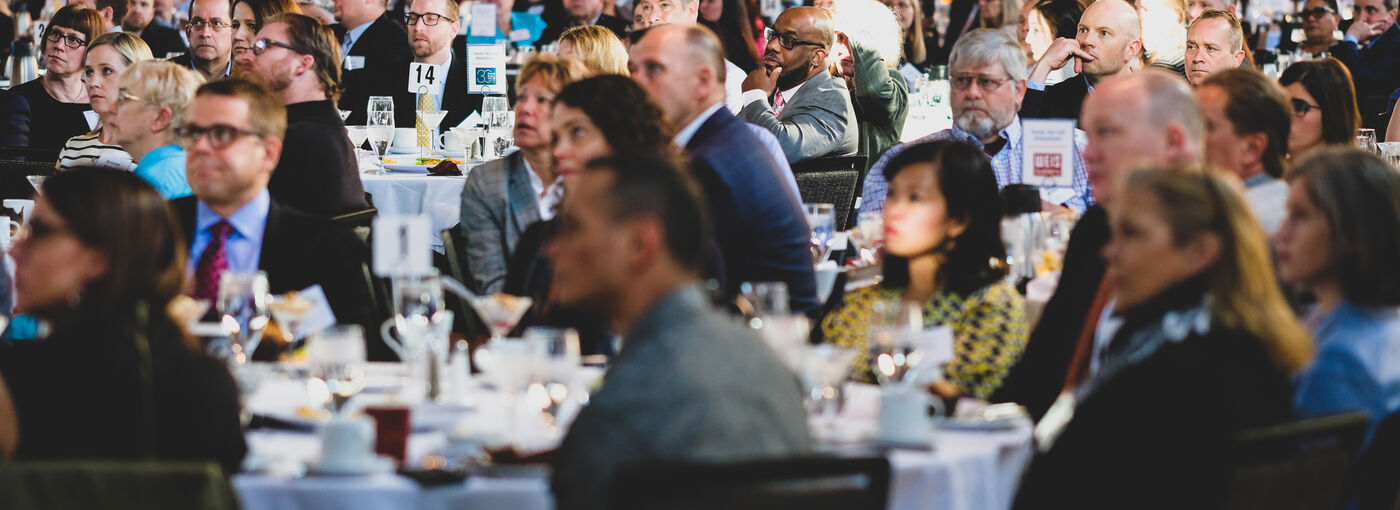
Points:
[(217, 25), (430, 19), (787, 41), (1301, 107), (1316, 12), (261, 45), (68, 40), (962, 82), (124, 97), (220, 135)]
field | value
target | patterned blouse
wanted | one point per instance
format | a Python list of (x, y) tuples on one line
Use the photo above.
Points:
[(989, 332)]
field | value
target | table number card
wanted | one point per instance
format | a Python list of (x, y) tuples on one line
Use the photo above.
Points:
[(424, 78), (403, 245), (1047, 153), (486, 64), (483, 19)]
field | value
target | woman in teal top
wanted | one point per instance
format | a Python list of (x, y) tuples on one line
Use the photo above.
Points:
[(152, 97)]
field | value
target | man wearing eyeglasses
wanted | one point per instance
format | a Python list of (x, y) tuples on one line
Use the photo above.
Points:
[(1109, 37), (811, 111), (211, 40), (373, 44), (294, 55), (432, 25), (987, 71), (1371, 51), (233, 140)]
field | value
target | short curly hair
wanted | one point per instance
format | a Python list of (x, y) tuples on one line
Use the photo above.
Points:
[(628, 118)]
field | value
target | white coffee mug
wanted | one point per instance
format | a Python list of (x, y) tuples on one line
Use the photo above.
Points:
[(904, 416), (22, 206), (347, 442), (405, 137), (450, 141), (12, 230)]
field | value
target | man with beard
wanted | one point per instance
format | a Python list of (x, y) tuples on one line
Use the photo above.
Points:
[(211, 39), (988, 77), (431, 26), (1110, 36), (296, 57), (811, 112)]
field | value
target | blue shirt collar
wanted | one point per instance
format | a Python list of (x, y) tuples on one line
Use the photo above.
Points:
[(247, 221), (1258, 179)]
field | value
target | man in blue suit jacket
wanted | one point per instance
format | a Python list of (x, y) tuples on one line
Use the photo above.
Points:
[(758, 223), (1371, 51)]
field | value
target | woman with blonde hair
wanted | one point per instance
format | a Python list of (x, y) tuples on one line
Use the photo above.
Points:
[(597, 47), (152, 99), (108, 55), (1206, 347)]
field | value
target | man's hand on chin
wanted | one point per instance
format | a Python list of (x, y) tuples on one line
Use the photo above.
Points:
[(763, 79)]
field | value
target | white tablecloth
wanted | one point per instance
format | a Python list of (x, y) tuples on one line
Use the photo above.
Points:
[(400, 193), (924, 120)]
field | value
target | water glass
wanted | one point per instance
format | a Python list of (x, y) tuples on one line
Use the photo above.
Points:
[(380, 122), (869, 235), (822, 220), (243, 313), (493, 111), (1366, 140), (1391, 152), (894, 335), (337, 357)]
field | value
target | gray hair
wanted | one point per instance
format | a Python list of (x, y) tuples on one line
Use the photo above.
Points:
[(872, 25), (987, 46)]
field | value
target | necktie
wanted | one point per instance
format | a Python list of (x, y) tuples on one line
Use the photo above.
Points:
[(425, 102), (212, 263), (778, 103)]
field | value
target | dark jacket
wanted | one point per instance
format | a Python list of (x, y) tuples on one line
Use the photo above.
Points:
[(1376, 73), (385, 48), (185, 61), (14, 132), (1154, 428), (318, 173), (1062, 100), (51, 123), (881, 98), (163, 40), (455, 100), (1035, 381), (552, 31)]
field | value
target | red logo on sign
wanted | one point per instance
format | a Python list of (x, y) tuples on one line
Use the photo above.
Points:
[(1047, 165)]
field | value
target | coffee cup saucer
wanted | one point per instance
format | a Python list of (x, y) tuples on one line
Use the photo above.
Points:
[(366, 465)]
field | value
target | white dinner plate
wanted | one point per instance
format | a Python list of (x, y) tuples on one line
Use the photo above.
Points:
[(370, 466), (977, 423), (405, 168)]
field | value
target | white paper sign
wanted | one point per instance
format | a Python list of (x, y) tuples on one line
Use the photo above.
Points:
[(354, 62), (425, 78), (1047, 152), (486, 66), (91, 118), (936, 344), (320, 317), (483, 19), (770, 8), (403, 245), (519, 34)]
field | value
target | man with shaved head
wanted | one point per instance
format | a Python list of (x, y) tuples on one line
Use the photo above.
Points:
[(810, 110), (758, 221), (1148, 119), (1214, 43), (1110, 36)]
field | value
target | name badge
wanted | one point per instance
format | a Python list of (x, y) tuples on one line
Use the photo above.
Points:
[(354, 62), (91, 118)]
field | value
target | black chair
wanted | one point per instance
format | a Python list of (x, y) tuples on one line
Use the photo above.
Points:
[(806, 483), (14, 182), (465, 320), (1306, 464), (1379, 472), (837, 187), (829, 163)]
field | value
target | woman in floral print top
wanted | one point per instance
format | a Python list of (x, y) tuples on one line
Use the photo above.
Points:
[(943, 249)]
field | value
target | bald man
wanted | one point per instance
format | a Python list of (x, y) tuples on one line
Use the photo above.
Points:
[(758, 221), (1110, 36), (810, 110), (1149, 118), (1214, 43)]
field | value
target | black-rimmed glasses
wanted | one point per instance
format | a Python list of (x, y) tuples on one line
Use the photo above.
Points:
[(1301, 107), (261, 45), (1316, 12), (217, 25), (70, 41), (430, 19), (962, 82), (787, 41), (220, 135)]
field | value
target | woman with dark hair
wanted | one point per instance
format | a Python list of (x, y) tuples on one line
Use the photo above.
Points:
[(943, 251), (911, 23), (58, 101), (1324, 106), (1206, 348), (101, 263), (1340, 242), (248, 18), (730, 20), (1043, 21), (598, 117)]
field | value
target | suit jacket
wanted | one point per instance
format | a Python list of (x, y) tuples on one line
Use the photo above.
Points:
[(186, 62), (14, 132), (497, 206), (455, 100), (1376, 73), (163, 40), (760, 227), (819, 120), (552, 32), (689, 384), (300, 250), (1062, 100), (318, 172), (958, 13), (881, 100), (384, 46)]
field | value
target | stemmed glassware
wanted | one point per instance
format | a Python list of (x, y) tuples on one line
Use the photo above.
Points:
[(1366, 140), (421, 323), (243, 312), (894, 340), (344, 114), (337, 357), (431, 119), (358, 135), (557, 361), (380, 123), (500, 312), (869, 236), (822, 219)]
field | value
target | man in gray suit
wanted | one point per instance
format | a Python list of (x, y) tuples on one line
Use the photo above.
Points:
[(811, 111), (689, 383)]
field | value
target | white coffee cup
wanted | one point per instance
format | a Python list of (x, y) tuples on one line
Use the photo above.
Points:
[(904, 416), (405, 137), (7, 238), (347, 443), (22, 206), (450, 141)]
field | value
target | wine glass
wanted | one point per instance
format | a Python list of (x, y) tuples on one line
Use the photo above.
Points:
[(822, 219), (337, 357), (344, 114), (554, 386), (430, 119), (894, 330), (493, 110), (243, 313), (823, 372), (1366, 139), (500, 312), (358, 135), (869, 235)]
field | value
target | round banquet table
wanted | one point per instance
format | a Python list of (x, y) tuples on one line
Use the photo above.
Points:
[(404, 193)]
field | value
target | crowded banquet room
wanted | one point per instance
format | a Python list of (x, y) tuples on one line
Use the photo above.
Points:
[(699, 254)]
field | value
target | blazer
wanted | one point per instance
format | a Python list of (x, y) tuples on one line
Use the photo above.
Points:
[(552, 32), (185, 61), (1062, 100), (384, 46), (759, 225), (455, 99), (881, 100), (14, 131), (300, 250), (498, 204), (1376, 73), (318, 172), (819, 120), (163, 40)]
